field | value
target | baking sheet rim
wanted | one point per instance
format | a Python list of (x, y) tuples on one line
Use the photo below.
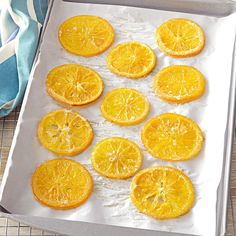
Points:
[(229, 136)]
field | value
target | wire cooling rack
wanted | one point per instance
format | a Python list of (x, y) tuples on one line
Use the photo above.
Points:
[(12, 228)]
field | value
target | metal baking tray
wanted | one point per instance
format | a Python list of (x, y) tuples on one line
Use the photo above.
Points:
[(217, 8)]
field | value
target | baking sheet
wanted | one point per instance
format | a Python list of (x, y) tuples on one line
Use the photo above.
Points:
[(110, 203)]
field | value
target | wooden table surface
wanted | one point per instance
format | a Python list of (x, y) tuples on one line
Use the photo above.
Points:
[(9, 227)]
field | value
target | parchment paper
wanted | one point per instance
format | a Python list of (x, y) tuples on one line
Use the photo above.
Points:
[(110, 202)]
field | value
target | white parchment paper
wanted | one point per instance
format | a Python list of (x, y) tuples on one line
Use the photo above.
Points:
[(110, 202)]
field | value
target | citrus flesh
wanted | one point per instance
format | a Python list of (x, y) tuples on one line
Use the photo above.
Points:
[(179, 84), (61, 183), (65, 132), (131, 59), (116, 158), (162, 192), (86, 35), (172, 137), (180, 37), (125, 106), (74, 84)]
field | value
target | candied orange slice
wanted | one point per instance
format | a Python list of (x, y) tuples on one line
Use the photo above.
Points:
[(162, 192), (116, 158), (131, 59), (179, 84), (172, 137), (180, 38), (74, 84), (125, 106), (61, 184), (65, 132), (86, 35)]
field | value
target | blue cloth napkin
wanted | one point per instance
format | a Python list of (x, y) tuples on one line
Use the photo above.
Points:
[(20, 24)]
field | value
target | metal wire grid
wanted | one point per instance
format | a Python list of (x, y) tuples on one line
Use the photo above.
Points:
[(12, 228), (7, 128)]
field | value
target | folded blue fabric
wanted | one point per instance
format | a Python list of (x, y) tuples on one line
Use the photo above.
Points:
[(20, 24)]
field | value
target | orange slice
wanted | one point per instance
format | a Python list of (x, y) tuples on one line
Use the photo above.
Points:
[(180, 38), (179, 84), (116, 158), (162, 192), (61, 184), (86, 35), (172, 137), (131, 59), (65, 132), (74, 84), (125, 106)]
